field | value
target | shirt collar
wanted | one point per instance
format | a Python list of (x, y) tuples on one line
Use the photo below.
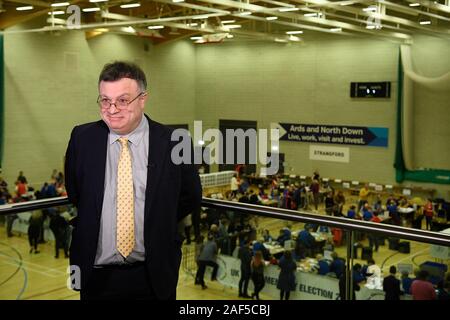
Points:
[(135, 136)]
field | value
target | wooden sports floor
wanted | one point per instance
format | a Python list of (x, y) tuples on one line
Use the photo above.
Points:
[(42, 277)]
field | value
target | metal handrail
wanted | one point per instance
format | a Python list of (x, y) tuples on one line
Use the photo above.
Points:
[(432, 237)]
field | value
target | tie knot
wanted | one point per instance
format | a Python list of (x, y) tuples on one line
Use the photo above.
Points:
[(124, 142)]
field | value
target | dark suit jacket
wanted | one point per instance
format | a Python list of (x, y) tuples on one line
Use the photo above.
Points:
[(391, 287), (173, 191)]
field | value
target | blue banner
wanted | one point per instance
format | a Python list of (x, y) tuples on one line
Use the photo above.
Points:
[(350, 135)]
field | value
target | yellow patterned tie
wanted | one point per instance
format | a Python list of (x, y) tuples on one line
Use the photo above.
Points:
[(125, 201)]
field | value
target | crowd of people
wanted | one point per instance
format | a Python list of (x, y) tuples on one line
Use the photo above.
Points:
[(58, 217)]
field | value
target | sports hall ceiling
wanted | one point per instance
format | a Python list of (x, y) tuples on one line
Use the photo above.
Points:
[(228, 20)]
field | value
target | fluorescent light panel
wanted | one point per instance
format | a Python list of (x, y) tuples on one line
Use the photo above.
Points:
[(60, 4), (228, 21), (56, 13), (24, 8), (414, 4), (155, 27), (271, 18), (91, 9), (425, 22), (95, 1), (130, 5), (294, 32)]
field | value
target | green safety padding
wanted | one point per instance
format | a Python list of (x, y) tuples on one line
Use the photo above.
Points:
[(401, 173)]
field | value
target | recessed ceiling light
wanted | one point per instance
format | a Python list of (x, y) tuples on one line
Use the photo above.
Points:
[(425, 22)]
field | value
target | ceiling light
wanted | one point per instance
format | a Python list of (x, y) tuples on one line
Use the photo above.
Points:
[(370, 9), (294, 38), (56, 13), (423, 22), (204, 16), (230, 36), (196, 38), (130, 5), (271, 18), (91, 9), (294, 32), (155, 27), (313, 14), (60, 4), (228, 21), (194, 24), (288, 9), (101, 30), (177, 1), (244, 13), (371, 27), (414, 4), (280, 40), (94, 1), (25, 8), (336, 29)]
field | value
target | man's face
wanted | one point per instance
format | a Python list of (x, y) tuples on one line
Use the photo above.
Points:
[(122, 121)]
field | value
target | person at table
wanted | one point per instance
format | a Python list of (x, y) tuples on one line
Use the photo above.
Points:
[(428, 212), (366, 212), (391, 285), (257, 267), (377, 206), (374, 239), (324, 265), (266, 236), (337, 265), (357, 280), (305, 241), (421, 288), (339, 201), (393, 212), (364, 193), (245, 255), (329, 204), (285, 234), (259, 246), (234, 185), (286, 278), (253, 198), (406, 282), (351, 213)]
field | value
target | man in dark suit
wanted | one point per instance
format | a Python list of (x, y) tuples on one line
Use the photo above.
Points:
[(130, 195), (391, 285)]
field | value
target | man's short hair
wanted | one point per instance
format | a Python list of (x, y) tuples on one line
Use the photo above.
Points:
[(392, 270), (122, 69)]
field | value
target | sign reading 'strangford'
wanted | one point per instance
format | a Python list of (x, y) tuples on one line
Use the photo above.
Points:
[(351, 135)]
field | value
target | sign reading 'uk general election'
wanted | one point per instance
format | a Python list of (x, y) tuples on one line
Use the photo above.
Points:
[(350, 135)]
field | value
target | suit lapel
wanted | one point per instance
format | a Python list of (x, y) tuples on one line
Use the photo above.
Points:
[(157, 152), (99, 145)]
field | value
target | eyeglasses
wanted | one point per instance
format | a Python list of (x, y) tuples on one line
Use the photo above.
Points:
[(121, 103)]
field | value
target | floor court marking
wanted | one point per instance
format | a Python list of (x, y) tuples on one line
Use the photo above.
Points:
[(36, 265), (27, 267)]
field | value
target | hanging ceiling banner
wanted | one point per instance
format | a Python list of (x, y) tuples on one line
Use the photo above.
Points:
[(349, 135)]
